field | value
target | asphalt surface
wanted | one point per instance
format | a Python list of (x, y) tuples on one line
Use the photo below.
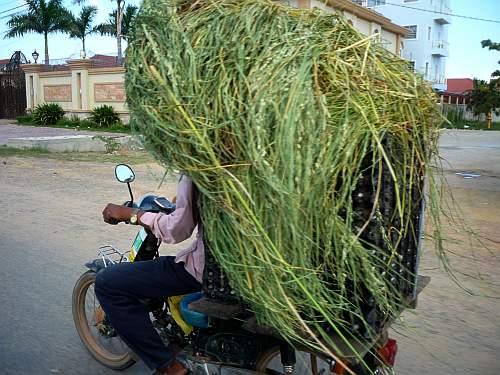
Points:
[(50, 225), (8, 131)]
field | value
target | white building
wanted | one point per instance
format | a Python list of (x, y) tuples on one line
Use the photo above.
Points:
[(427, 45), (365, 20)]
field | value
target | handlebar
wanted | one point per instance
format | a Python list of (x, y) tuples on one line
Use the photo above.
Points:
[(153, 203)]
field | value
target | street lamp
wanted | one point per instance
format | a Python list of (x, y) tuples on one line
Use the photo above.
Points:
[(35, 55)]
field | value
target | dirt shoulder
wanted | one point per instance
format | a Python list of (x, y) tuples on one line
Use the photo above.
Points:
[(57, 207)]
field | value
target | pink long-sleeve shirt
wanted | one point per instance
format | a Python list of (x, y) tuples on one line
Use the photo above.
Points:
[(179, 226)]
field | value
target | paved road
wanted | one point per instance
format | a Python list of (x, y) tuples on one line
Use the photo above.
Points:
[(50, 225), (8, 131)]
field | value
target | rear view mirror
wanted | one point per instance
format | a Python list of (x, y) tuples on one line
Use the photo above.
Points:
[(124, 173)]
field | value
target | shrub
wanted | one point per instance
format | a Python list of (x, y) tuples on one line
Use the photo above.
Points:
[(47, 114), (105, 116), (25, 119)]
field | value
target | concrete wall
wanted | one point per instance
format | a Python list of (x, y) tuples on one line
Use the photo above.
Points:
[(77, 90)]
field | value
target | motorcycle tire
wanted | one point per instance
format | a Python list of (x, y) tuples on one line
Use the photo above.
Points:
[(308, 363), (97, 350)]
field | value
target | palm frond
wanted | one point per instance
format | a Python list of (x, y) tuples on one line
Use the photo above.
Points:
[(23, 24)]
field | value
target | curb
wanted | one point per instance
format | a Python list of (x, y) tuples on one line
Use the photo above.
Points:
[(76, 143)]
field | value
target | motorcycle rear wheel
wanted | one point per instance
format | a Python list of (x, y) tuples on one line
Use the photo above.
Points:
[(307, 363), (89, 332)]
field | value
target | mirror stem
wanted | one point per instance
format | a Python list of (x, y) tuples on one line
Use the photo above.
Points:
[(131, 195)]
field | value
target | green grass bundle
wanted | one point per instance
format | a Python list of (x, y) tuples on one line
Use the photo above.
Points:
[(274, 112)]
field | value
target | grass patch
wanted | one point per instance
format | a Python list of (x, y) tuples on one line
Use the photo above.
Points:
[(27, 121), (130, 157), (34, 152), (472, 125)]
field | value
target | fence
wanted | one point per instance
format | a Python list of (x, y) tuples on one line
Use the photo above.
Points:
[(457, 113)]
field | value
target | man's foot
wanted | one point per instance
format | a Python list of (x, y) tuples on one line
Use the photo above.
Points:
[(175, 368)]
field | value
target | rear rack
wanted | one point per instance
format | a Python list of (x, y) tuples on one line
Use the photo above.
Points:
[(111, 255)]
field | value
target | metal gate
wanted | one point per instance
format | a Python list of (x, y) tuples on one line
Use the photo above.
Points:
[(13, 87)]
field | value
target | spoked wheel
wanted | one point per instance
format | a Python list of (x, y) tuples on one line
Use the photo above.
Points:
[(307, 363), (98, 336)]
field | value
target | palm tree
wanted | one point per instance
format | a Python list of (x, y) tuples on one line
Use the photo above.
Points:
[(43, 17), (82, 26), (109, 28), (120, 4)]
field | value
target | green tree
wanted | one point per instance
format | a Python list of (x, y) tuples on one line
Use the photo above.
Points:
[(492, 46), (81, 26), (484, 97), (43, 17), (120, 4), (109, 28)]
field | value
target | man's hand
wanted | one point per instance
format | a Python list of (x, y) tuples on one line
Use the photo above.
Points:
[(115, 213)]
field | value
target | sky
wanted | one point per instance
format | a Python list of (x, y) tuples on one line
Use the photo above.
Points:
[(60, 46), (467, 58)]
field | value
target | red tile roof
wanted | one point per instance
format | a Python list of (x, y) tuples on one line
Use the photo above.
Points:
[(460, 85)]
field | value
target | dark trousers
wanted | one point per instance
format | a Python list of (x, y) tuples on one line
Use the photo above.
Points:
[(119, 289)]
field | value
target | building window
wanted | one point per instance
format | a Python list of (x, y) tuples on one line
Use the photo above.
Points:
[(429, 33), (412, 64), (426, 69), (410, 1), (376, 3), (413, 31)]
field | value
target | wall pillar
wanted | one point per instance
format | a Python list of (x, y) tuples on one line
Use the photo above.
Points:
[(398, 45), (33, 89), (304, 4), (79, 84)]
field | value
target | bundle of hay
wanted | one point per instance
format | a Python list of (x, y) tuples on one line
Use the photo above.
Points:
[(276, 114)]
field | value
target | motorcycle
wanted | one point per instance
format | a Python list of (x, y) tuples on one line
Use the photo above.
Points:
[(212, 337)]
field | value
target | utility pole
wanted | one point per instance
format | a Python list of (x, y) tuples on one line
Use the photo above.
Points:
[(119, 17)]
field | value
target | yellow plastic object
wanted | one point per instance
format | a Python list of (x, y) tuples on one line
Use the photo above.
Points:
[(173, 304)]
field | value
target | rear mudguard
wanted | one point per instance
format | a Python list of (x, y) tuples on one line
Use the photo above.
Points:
[(96, 265)]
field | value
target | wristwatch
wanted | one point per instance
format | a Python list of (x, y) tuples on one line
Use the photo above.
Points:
[(133, 218)]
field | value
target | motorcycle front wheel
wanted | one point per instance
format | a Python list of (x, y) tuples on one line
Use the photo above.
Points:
[(98, 336)]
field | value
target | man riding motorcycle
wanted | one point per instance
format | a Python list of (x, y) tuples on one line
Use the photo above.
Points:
[(121, 288)]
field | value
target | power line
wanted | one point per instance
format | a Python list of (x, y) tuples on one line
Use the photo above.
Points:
[(8, 10), (9, 3), (445, 13), (12, 14)]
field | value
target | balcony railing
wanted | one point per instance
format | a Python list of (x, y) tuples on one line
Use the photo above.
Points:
[(439, 80), (442, 7), (440, 48), (443, 12), (370, 3)]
